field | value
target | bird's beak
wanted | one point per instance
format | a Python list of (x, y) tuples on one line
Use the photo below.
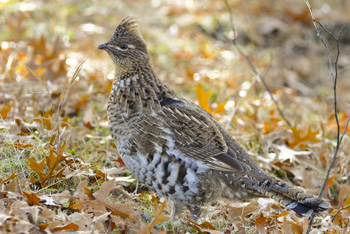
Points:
[(103, 46)]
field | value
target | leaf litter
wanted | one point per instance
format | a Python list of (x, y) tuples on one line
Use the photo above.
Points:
[(60, 171)]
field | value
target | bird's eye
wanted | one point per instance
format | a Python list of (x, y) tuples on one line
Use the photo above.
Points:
[(123, 46)]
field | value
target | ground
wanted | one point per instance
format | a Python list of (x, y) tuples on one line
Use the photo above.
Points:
[(59, 169)]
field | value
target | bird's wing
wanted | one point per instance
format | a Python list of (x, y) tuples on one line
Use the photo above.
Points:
[(180, 130)]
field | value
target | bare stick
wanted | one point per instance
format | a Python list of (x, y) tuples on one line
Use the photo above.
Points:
[(334, 76), (343, 208), (254, 70)]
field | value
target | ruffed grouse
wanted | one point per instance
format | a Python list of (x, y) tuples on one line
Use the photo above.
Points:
[(177, 148)]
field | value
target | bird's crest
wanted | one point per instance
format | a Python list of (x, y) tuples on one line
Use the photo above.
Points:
[(128, 27)]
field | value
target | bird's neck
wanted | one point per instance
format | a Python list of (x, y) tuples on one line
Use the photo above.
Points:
[(138, 90)]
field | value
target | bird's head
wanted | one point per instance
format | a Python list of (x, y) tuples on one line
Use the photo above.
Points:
[(126, 47)]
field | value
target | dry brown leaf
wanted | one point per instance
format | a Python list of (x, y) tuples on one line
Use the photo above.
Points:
[(220, 108), (203, 100), (5, 110), (46, 120), (60, 198), (272, 124), (31, 198), (208, 225), (300, 137), (105, 222), (88, 193), (13, 188), (80, 191), (347, 203), (203, 97), (68, 227), (83, 220), (25, 128), (88, 206), (48, 167), (158, 217), (204, 227), (286, 226), (194, 225), (303, 16), (11, 177), (37, 167), (122, 210), (260, 224), (120, 161), (100, 175), (330, 182), (100, 204), (331, 124), (22, 146), (243, 209)]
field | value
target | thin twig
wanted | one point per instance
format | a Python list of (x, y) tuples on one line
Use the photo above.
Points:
[(334, 76), (343, 208), (252, 67)]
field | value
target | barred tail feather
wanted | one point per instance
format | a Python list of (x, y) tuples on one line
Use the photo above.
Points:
[(303, 204), (292, 197)]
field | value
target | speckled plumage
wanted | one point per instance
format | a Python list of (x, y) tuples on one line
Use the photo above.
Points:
[(174, 146)]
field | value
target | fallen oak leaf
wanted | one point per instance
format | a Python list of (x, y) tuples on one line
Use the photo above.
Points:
[(37, 167), (207, 225), (31, 198), (104, 222), (158, 217), (22, 146), (43, 226), (310, 136), (46, 120), (100, 204), (120, 161), (122, 210), (52, 163), (194, 224), (329, 182), (11, 177), (12, 187), (203, 100), (25, 128), (5, 110), (342, 119), (68, 227), (347, 203), (260, 224), (80, 192), (100, 175), (48, 201), (203, 97), (88, 193), (285, 153), (220, 108)]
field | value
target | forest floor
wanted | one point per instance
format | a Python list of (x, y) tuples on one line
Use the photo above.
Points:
[(59, 168)]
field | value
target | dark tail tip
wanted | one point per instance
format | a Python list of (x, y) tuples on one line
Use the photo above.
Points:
[(308, 207)]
